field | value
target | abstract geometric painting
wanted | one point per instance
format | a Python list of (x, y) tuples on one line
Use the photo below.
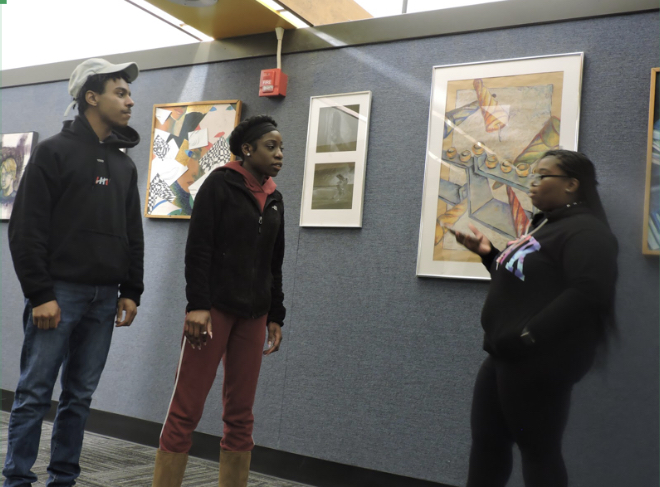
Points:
[(494, 126), (189, 140), (16, 150)]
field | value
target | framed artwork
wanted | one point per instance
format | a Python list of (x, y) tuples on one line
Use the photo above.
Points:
[(188, 141), (489, 123), (16, 150), (651, 244), (336, 160)]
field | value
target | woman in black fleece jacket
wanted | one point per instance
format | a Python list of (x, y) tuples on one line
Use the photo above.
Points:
[(549, 307), (233, 259)]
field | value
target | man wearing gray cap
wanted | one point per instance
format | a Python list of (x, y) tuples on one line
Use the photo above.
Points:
[(75, 236)]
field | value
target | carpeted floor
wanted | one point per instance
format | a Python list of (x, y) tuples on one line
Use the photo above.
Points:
[(108, 462)]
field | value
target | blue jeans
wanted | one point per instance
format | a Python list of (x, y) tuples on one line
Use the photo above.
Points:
[(80, 345)]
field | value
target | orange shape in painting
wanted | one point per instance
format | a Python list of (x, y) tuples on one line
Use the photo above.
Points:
[(520, 220), (448, 218), (182, 156), (494, 115)]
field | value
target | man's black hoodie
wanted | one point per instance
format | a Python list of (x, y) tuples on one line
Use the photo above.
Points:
[(77, 215)]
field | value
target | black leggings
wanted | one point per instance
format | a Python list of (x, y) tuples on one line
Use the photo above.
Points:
[(514, 403)]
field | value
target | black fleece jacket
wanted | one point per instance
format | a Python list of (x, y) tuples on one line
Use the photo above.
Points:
[(234, 251), (559, 284), (77, 215)]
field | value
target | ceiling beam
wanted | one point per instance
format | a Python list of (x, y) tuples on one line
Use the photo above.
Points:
[(227, 18), (317, 12)]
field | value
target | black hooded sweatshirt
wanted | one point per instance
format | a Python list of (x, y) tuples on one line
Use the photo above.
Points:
[(77, 214), (558, 283)]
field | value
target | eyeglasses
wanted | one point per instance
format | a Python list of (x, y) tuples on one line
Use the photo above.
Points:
[(537, 178)]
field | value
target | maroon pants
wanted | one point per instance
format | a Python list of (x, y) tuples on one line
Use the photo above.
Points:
[(239, 342)]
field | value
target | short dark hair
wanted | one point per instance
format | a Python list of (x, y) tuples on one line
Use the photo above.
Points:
[(96, 83), (578, 166), (240, 134)]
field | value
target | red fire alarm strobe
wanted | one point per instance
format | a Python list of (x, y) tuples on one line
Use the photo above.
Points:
[(273, 82)]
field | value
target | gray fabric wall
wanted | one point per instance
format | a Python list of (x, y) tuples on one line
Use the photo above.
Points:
[(377, 365)]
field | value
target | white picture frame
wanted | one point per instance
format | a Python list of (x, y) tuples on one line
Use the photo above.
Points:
[(336, 160), (489, 122)]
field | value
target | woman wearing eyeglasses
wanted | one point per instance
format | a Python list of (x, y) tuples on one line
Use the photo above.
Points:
[(548, 309)]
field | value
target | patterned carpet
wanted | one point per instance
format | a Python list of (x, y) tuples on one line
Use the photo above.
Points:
[(108, 462)]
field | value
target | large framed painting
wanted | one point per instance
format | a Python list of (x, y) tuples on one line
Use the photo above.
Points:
[(336, 160), (188, 141), (651, 243), (489, 123), (16, 150)]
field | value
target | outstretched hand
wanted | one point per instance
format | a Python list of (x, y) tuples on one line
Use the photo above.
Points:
[(477, 242)]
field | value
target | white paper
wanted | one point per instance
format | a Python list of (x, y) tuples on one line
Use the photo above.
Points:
[(197, 139), (164, 208), (162, 115), (172, 149), (217, 120), (173, 152), (162, 134), (169, 169)]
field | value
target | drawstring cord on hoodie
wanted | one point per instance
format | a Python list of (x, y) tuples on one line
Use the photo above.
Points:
[(515, 244)]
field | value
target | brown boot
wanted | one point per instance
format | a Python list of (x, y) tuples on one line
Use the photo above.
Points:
[(169, 469), (234, 468)]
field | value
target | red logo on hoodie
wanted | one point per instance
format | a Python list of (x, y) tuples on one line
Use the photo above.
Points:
[(102, 181)]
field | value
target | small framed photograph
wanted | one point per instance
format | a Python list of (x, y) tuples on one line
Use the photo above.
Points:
[(16, 151), (188, 141), (489, 124), (651, 244), (336, 160)]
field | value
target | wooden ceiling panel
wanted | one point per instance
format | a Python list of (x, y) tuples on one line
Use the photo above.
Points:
[(324, 13), (227, 18)]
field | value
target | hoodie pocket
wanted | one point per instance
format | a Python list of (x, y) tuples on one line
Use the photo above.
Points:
[(92, 257)]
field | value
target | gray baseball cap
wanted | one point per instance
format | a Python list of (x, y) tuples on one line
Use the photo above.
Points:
[(97, 66)]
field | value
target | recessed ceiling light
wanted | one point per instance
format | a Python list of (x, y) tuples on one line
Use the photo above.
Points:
[(271, 5), (195, 3), (294, 19)]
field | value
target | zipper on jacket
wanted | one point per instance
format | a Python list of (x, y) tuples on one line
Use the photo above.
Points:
[(261, 219)]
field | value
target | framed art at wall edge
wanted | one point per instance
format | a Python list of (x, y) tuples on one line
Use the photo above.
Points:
[(489, 123), (16, 150), (651, 242), (336, 160), (188, 141)]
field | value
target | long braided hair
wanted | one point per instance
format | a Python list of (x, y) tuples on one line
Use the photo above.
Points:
[(579, 166)]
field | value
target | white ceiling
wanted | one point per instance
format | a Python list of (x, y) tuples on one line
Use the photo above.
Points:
[(383, 8), (77, 29), (65, 31), (73, 29)]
